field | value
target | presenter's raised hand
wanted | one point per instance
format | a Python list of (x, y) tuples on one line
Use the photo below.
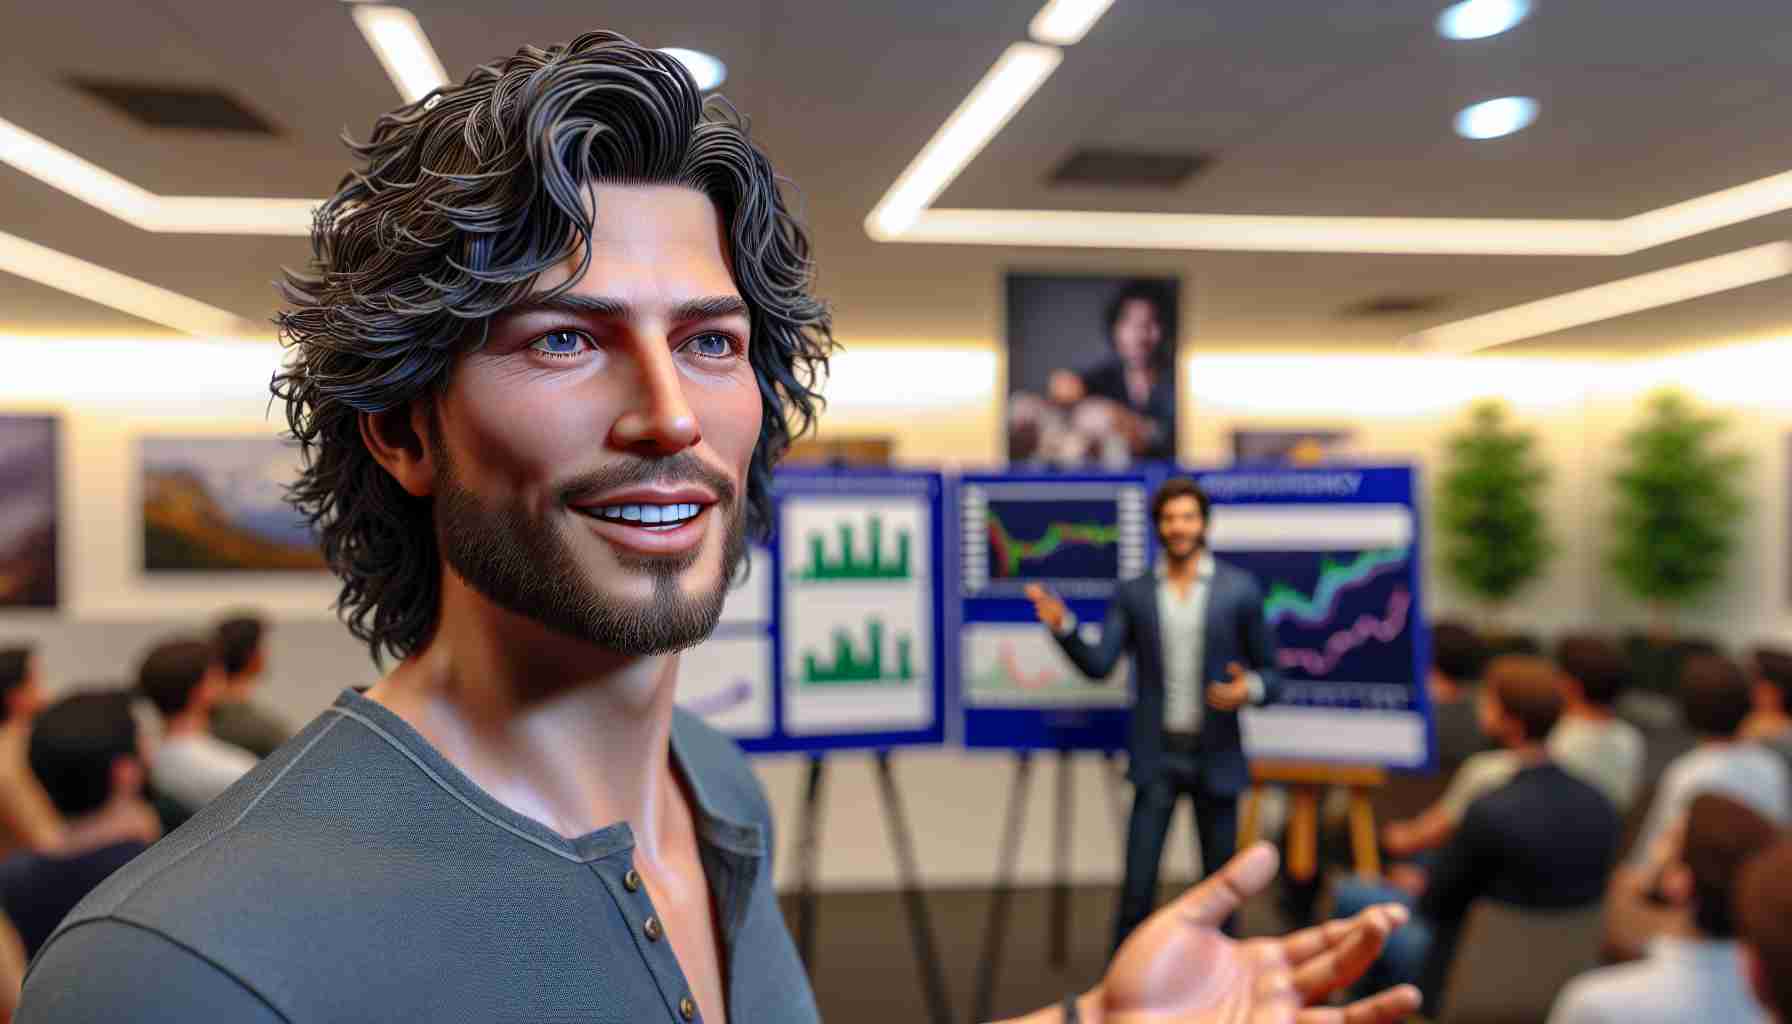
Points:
[(1178, 968), (1047, 606), (1233, 695)]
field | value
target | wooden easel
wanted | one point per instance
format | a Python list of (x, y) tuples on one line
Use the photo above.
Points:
[(1307, 783)]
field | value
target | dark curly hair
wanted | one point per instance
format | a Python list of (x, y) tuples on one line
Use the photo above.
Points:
[(458, 204)]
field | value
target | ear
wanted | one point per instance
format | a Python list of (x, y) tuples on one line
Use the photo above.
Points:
[(399, 439), (127, 776), (1676, 884)]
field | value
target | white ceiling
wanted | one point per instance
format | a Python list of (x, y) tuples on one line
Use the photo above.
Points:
[(1334, 108)]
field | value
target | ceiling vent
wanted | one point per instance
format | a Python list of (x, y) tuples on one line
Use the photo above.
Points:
[(1395, 305), (176, 106), (1128, 168)]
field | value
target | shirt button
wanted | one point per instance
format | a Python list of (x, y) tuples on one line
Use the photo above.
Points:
[(632, 880), (652, 928), (686, 1008)]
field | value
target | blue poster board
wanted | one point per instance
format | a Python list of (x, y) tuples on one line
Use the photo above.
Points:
[(730, 680), (1337, 551), (1080, 535)]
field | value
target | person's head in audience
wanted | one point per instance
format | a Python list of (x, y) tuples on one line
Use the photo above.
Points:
[(184, 679), (1714, 697), (1456, 657), (1521, 699), (86, 751), (241, 648), (1594, 672), (1720, 835), (1771, 668), (21, 687), (1763, 915)]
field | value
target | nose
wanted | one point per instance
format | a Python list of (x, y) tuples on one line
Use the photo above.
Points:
[(658, 419)]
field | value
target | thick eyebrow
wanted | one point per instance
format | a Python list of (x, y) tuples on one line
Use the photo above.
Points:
[(710, 307)]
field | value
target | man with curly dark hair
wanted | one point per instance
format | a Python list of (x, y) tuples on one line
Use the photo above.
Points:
[(557, 329)]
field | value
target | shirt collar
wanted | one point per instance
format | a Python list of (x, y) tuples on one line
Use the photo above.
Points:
[(1204, 567), (1711, 952)]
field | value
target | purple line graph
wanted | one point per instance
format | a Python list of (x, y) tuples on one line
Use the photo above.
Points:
[(722, 701), (1367, 629)]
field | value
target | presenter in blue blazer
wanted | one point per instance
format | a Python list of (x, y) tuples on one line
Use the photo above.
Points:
[(1201, 650)]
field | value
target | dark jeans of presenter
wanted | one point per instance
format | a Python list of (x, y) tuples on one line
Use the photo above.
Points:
[(1153, 805)]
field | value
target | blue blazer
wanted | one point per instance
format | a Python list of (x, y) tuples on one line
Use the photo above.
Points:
[(1236, 632)]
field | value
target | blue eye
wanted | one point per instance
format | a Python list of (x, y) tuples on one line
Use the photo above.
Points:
[(713, 346), (550, 339)]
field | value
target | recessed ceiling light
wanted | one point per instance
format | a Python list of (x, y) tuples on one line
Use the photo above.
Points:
[(708, 71), (1478, 19), (1494, 118)]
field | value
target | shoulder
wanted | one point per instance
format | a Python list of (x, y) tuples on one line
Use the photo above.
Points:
[(64, 986), (1241, 580), (1599, 995)]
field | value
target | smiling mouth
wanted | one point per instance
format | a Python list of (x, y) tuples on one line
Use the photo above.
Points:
[(656, 518)]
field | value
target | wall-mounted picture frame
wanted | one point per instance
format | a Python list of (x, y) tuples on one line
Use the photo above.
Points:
[(28, 512), (217, 504)]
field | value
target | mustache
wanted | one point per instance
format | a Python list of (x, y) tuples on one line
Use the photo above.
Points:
[(678, 468)]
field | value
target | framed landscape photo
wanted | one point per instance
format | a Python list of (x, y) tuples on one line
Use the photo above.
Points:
[(217, 504)]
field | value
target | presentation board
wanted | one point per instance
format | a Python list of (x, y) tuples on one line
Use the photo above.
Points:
[(729, 679), (1337, 552), (1079, 535)]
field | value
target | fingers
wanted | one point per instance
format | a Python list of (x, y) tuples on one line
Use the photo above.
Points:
[(1234, 669), (1274, 999), (1344, 950), (1219, 895), (1388, 1007)]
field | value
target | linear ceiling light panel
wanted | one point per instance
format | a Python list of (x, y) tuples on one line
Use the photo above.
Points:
[(1614, 298), (90, 281), (1004, 89), (404, 51), (1267, 234), (1065, 22), (137, 206)]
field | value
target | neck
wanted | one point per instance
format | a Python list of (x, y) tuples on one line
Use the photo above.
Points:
[(558, 730), (238, 689), (1530, 753), (120, 820), (195, 721), (1578, 707), (1183, 568)]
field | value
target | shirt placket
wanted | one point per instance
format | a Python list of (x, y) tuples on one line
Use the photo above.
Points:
[(619, 877)]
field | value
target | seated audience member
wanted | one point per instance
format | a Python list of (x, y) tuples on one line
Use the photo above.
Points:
[(1764, 925), (1456, 657), (183, 679), (1692, 973), (237, 719), (87, 752), (27, 819), (12, 970), (1545, 839), (1770, 723), (1590, 740), (1715, 700)]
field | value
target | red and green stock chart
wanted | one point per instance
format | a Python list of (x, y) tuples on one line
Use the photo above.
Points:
[(1055, 540)]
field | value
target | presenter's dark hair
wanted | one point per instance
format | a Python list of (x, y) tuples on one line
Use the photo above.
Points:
[(173, 670), (1714, 695), (457, 205), (1155, 294), (73, 745), (1596, 664), (1178, 487), (1457, 651), (238, 637)]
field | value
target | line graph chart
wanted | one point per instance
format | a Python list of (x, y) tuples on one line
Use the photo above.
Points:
[(1019, 665), (1080, 538)]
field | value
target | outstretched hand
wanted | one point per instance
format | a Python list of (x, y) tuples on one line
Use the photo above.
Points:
[(1177, 968), (1048, 606)]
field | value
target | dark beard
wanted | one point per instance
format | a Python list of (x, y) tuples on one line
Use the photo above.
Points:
[(527, 567)]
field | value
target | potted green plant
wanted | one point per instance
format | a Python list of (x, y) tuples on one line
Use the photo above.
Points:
[(1493, 535), (1678, 505)]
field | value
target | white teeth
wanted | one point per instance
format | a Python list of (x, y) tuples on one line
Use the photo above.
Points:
[(647, 515)]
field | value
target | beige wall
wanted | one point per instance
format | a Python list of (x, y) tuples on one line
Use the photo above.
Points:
[(942, 404)]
